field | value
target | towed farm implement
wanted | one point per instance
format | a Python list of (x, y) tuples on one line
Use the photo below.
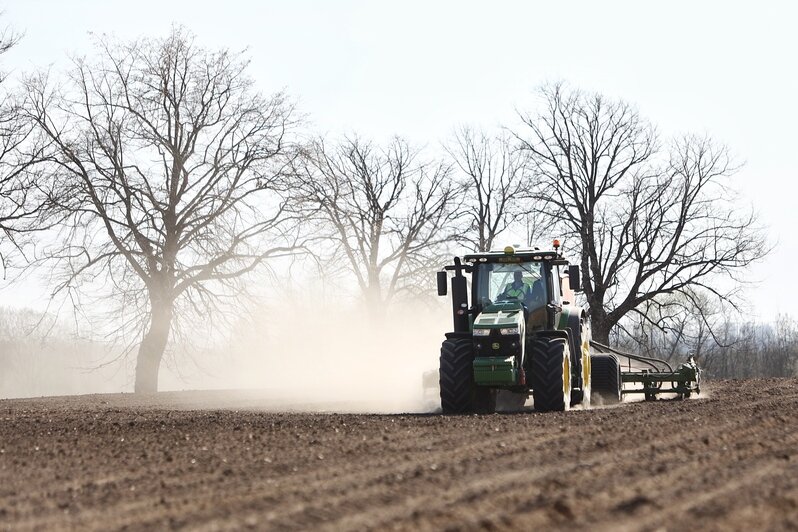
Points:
[(656, 375), (523, 334)]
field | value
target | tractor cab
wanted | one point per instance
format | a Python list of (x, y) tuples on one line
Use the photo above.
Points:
[(516, 284), (529, 279), (536, 282)]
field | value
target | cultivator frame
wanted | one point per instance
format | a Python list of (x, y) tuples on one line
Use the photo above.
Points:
[(684, 380)]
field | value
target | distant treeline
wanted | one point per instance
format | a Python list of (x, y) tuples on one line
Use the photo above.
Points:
[(729, 351), (38, 358)]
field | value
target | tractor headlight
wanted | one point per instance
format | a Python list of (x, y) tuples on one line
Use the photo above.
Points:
[(509, 330), (481, 332)]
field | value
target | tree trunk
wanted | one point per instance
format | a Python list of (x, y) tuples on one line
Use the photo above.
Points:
[(152, 347), (375, 305), (600, 326)]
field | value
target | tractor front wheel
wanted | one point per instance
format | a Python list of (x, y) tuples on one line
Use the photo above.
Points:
[(550, 374), (459, 393)]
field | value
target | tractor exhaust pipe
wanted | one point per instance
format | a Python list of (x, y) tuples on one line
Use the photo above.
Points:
[(460, 301), (459, 295)]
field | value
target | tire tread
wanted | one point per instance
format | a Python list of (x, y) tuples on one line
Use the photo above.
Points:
[(545, 374)]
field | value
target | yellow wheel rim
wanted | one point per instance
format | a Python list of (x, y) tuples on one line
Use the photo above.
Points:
[(566, 374)]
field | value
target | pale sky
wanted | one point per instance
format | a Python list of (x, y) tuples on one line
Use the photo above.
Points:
[(418, 68)]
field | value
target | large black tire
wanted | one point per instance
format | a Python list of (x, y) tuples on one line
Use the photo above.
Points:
[(605, 372), (459, 394), (550, 374)]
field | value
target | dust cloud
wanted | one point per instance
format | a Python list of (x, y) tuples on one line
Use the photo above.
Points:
[(288, 355), (296, 357)]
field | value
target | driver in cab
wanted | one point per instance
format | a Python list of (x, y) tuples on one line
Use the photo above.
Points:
[(531, 298), (517, 290)]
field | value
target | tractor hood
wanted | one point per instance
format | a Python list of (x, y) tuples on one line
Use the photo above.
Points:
[(501, 315)]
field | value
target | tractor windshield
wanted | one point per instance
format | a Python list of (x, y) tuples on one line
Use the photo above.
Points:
[(524, 282)]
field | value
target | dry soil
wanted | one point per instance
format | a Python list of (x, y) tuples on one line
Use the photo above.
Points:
[(728, 460)]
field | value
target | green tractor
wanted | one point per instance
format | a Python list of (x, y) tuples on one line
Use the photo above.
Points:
[(522, 333)]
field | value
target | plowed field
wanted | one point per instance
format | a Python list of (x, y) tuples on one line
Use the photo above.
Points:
[(728, 460)]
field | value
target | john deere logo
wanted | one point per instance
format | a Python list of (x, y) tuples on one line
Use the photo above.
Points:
[(495, 345)]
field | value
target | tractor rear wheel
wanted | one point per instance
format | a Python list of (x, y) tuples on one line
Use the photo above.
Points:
[(605, 374), (459, 393), (579, 332), (550, 374)]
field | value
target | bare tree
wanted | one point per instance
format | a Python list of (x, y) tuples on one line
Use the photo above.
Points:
[(724, 348), (671, 326), (169, 170), (493, 184), (386, 211), (19, 200), (647, 221)]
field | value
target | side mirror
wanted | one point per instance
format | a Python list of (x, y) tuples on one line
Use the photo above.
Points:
[(443, 283), (574, 279)]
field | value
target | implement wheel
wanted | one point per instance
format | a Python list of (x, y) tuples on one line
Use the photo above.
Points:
[(605, 374), (459, 394), (550, 374)]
